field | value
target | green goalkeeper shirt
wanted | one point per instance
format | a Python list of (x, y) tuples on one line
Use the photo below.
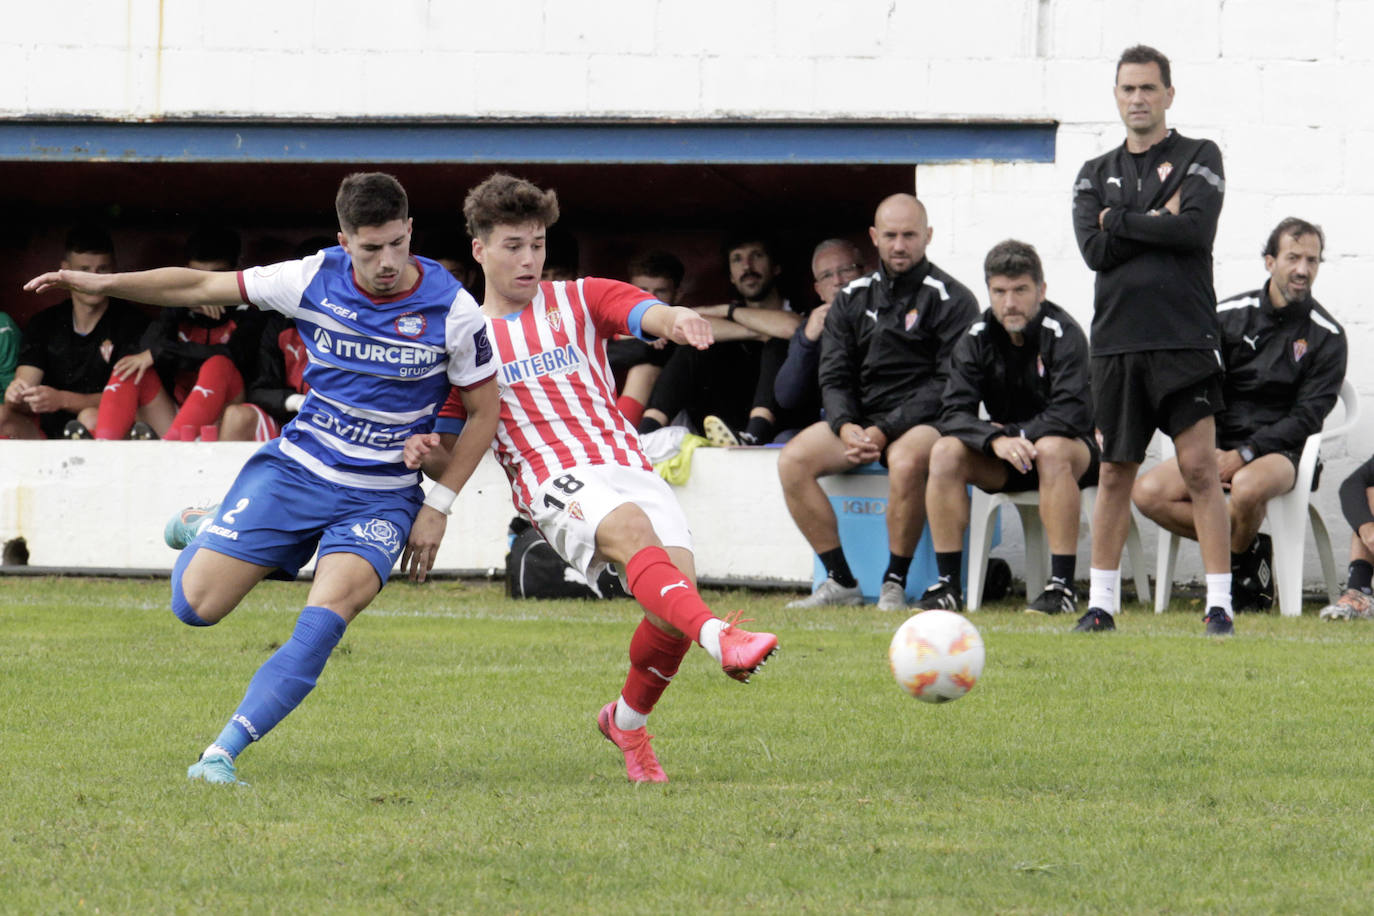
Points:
[(9, 349)]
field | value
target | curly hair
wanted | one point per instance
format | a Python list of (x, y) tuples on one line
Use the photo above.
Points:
[(504, 200)]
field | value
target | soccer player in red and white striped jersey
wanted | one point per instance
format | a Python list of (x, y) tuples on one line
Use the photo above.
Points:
[(575, 463)]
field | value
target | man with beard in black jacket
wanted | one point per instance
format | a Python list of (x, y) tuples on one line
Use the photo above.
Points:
[(1027, 360), (1145, 215), (884, 362), (1285, 361)]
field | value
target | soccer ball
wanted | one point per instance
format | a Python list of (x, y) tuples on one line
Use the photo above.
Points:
[(936, 656)]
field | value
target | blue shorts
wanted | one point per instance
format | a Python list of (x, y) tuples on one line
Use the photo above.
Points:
[(277, 513)]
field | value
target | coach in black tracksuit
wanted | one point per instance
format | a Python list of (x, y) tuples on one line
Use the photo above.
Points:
[(1145, 215), (884, 361), (1026, 360), (1285, 359)]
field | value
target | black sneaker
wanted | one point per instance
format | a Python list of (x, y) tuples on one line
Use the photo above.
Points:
[(75, 429), (1057, 598), (941, 596), (1218, 623), (1095, 621)]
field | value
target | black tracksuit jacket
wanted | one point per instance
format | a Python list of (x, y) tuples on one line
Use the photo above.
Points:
[(1284, 369), (886, 346), (1154, 272), (1038, 389)]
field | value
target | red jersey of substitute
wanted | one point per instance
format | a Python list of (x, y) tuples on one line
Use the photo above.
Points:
[(557, 393)]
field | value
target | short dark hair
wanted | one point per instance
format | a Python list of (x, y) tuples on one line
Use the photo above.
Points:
[(748, 235), (1144, 54), (1013, 259), (658, 263), (214, 243), (1297, 228), (370, 199), (89, 239), (504, 200)]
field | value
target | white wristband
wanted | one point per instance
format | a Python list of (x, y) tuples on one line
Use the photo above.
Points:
[(440, 498)]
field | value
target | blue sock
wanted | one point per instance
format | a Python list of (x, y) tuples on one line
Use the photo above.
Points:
[(180, 606), (284, 679)]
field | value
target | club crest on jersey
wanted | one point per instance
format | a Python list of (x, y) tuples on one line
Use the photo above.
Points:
[(1040, 366), (911, 318), (575, 511), (555, 318), (1299, 349), (1163, 171), (411, 324), (379, 531)]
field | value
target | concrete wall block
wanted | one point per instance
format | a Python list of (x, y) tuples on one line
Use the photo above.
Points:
[(714, 28), (1216, 92), (531, 84), (606, 26), (196, 81), (1357, 176), (1071, 30), (92, 80), (1079, 90), (363, 26), (514, 25), (880, 85), (1311, 94), (1284, 160), (1187, 31), (276, 84), (14, 80), (269, 25), (760, 86), (428, 83), (1354, 26), (979, 30), (184, 25), (968, 88), (857, 29), (71, 24), (1275, 29), (644, 84)]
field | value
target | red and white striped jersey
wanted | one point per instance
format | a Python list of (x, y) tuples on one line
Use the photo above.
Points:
[(557, 393)]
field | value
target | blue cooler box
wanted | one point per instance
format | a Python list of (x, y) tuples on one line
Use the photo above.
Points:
[(859, 498)]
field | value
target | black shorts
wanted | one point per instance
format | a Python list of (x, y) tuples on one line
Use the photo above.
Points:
[(1294, 457), (1025, 481), (1136, 393)]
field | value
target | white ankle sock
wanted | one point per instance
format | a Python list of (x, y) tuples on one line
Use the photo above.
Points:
[(1219, 592), (709, 637), (626, 719), (1104, 589), (215, 750)]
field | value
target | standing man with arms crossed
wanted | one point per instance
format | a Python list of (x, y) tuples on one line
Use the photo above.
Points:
[(574, 462), (1145, 215), (387, 335)]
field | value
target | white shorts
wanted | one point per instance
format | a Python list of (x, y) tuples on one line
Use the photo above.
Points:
[(568, 507)]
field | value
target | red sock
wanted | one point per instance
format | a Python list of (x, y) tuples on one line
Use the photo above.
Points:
[(217, 383), (120, 401), (632, 409), (664, 591), (654, 659)]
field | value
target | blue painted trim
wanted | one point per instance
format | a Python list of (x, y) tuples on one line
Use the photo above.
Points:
[(662, 142)]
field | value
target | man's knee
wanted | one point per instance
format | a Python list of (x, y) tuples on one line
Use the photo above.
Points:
[(800, 459), (1199, 472), (1054, 455), (181, 605), (909, 457), (949, 459)]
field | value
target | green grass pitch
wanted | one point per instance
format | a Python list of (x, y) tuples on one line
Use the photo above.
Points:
[(449, 762)]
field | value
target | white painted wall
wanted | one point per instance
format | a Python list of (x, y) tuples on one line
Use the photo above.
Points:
[(1281, 87)]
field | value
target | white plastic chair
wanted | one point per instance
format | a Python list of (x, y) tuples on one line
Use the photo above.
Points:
[(983, 509), (1288, 516)]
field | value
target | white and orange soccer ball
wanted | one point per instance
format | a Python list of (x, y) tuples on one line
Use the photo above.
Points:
[(936, 656)]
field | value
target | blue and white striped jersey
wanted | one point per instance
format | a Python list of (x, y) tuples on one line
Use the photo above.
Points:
[(378, 368)]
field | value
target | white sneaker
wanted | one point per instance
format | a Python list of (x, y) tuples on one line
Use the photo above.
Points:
[(892, 597), (828, 594), (1353, 604)]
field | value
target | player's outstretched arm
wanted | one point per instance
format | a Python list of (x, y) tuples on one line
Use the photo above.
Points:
[(483, 407), (679, 324), (175, 287)]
